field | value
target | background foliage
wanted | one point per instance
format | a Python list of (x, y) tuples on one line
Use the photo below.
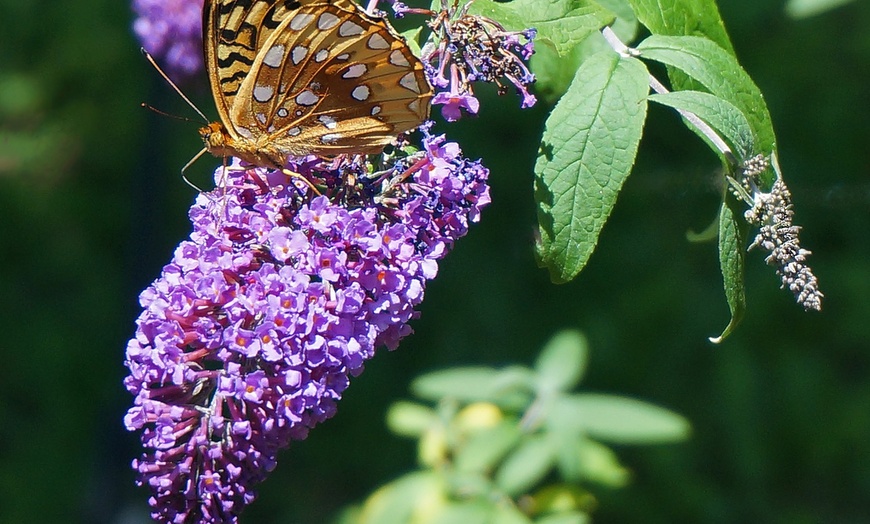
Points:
[(91, 207)]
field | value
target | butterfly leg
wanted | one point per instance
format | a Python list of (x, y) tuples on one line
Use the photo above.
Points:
[(293, 174)]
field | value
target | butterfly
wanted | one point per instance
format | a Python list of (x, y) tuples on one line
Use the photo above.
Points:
[(300, 77)]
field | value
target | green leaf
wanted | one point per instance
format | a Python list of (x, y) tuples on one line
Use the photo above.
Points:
[(510, 386), (564, 498), (399, 501), (587, 152), (600, 464), (561, 24), (731, 262), (563, 361), (728, 121), (485, 449), (412, 37), (617, 419), (566, 455), (571, 517), (480, 511), (409, 419), (719, 73), (507, 513), (526, 466), (806, 8), (553, 73), (683, 17), (626, 24)]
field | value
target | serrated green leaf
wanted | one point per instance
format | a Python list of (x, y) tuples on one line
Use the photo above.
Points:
[(527, 465), (731, 262), (473, 384), (485, 449), (719, 73), (562, 362), (723, 116), (587, 152), (409, 419), (402, 500), (682, 18), (617, 419), (561, 24)]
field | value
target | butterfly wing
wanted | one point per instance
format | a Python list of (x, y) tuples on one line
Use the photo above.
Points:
[(328, 79), (233, 32)]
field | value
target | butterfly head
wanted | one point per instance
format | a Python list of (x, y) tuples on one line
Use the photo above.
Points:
[(216, 139)]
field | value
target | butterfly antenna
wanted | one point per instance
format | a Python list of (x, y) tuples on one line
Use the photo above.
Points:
[(164, 113), (170, 82)]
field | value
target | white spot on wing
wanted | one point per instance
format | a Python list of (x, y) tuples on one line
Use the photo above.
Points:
[(298, 54), (294, 131), (306, 98), (361, 93), (274, 56), (398, 59), (343, 56), (327, 21), (263, 93), (409, 81), (376, 41), (282, 112), (349, 28), (300, 21), (261, 118), (376, 110), (321, 55), (330, 138), (414, 106), (328, 121), (355, 71)]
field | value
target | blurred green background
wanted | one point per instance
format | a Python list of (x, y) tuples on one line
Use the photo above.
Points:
[(91, 207)]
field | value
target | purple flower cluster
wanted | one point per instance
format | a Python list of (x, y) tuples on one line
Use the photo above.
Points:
[(470, 48), (253, 330), (171, 30)]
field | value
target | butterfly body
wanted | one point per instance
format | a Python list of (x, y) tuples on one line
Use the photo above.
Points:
[(259, 153), (293, 78)]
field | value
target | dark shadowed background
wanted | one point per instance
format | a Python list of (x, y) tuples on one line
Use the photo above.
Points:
[(91, 207)]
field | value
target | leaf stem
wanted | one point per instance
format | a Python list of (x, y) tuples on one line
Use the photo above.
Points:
[(660, 88)]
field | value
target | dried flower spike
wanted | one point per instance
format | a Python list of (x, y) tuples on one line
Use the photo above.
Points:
[(468, 48), (773, 213)]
